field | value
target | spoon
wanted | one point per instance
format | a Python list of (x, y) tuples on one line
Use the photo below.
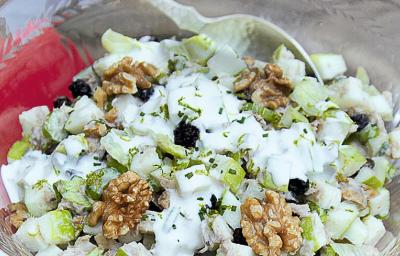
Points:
[(248, 35)]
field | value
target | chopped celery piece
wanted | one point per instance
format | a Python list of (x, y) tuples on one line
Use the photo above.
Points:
[(98, 180), (166, 145), (354, 250), (379, 205), (40, 198), (29, 235), (357, 232), (311, 97), (52, 250), (200, 48), (340, 219), (292, 68), (95, 252), (376, 230), (225, 62), (268, 182), (313, 230), (119, 145), (362, 75), (53, 127), (73, 145), (18, 150), (290, 116), (368, 177), (73, 191), (232, 212), (57, 227), (84, 111), (394, 138), (228, 171), (335, 127), (369, 132), (33, 118), (329, 65), (267, 114), (115, 42), (350, 160), (145, 162), (328, 195)]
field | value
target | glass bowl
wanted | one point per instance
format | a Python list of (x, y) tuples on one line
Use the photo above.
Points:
[(43, 43)]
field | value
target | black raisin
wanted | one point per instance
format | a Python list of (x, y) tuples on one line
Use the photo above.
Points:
[(62, 100), (145, 94), (298, 186), (80, 88), (214, 202), (186, 134), (154, 207), (361, 120), (238, 237)]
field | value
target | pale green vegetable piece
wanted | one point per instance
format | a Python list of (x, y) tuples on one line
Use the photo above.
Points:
[(132, 249), (57, 227), (267, 181), (145, 162), (225, 62), (340, 219), (354, 250), (362, 75), (52, 250), (29, 235), (200, 48), (335, 127), (350, 160), (357, 232), (32, 118), (18, 150), (40, 198), (73, 145), (329, 65), (166, 145), (115, 42), (53, 127), (95, 252), (292, 68), (229, 171), (73, 191), (120, 145), (232, 213), (313, 230), (84, 111), (376, 230), (267, 114), (311, 97), (290, 116), (368, 177), (328, 195), (380, 204), (394, 138)]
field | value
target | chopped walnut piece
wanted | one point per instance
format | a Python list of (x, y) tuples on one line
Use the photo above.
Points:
[(19, 213), (100, 96), (269, 226), (125, 76), (111, 115), (267, 87), (95, 130), (124, 202)]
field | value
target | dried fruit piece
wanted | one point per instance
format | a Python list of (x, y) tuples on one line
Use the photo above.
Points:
[(124, 202), (269, 226), (186, 134), (80, 88), (111, 115), (100, 96)]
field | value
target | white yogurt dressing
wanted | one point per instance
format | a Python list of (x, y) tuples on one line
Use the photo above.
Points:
[(178, 228)]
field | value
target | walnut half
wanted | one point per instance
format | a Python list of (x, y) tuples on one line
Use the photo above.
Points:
[(269, 226), (19, 213), (124, 202)]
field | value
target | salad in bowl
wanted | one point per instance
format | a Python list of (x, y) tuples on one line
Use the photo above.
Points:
[(183, 147)]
